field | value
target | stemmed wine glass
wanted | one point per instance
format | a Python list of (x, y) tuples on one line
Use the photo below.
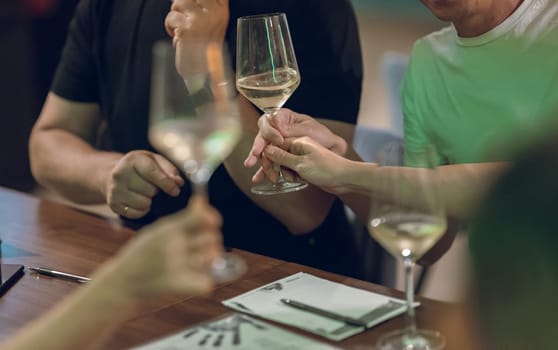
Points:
[(194, 120), (407, 219), (267, 74)]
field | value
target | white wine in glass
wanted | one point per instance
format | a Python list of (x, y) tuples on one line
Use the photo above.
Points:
[(407, 218), (416, 232), (269, 91), (195, 125), (267, 74)]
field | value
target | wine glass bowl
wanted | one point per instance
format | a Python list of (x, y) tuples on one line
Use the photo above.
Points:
[(193, 129), (267, 74), (269, 91), (194, 120), (407, 218)]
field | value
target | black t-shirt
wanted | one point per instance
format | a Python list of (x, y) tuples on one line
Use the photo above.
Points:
[(107, 60)]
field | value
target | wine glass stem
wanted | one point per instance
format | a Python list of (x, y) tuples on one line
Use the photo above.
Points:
[(269, 115), (409, 290), (199, 189), (199, 184)]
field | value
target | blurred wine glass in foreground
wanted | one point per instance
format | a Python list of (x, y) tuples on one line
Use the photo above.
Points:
[(194, 120)]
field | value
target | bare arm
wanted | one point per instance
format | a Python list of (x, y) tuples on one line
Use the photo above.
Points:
[(460, 185), (171, 257), (63, 158), (61, 151)]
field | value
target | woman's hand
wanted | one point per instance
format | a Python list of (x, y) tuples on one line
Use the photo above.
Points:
[(136, 178), (173, 256), (312, 162), (288, 124)]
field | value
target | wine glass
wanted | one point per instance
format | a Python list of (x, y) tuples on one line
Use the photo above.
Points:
[(407, 218), (194, 120), (267, 75)]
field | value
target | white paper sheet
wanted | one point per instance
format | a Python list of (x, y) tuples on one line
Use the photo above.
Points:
[(372, 308), (236, 331)]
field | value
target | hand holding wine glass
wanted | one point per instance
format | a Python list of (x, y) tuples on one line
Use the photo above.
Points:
[(408, 230), (196, 126), (267, 74)]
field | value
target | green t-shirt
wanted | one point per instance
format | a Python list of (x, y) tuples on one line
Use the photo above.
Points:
[(469, 97)]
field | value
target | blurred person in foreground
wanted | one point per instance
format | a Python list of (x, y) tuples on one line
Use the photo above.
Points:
[(103, 77), (513, 244), (483, 82), (171, 257), (512, 300)]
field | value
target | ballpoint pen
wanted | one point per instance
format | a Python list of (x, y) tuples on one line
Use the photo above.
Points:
[(329, 314), (59, 274)]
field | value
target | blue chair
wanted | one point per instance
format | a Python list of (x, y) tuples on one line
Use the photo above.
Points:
[(393, 67), (378, 265)]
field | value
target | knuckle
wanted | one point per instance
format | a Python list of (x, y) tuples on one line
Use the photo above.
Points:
[(119, 175), (304, 139), (150, 168)]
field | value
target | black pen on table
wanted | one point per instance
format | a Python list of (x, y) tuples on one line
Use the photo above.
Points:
[(325, 313), (59, 274)]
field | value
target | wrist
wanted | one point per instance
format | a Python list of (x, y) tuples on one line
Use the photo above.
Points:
[(104, 174), (357, 176), (116, 287)]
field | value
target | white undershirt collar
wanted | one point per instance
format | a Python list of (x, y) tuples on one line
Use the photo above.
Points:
[(497, 31)]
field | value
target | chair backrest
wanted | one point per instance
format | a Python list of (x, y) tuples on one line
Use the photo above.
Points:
[(368, 140), (393, 67)]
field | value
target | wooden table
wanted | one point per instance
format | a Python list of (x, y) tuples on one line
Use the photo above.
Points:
[(40, 232)]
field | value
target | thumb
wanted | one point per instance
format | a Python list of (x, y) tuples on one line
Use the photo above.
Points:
[(169, 169)]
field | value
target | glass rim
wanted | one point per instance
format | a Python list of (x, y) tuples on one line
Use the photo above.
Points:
[(262, 15)]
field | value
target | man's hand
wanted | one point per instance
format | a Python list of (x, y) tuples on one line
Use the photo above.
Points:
[(196, 22), (173, 256), (136, 179)]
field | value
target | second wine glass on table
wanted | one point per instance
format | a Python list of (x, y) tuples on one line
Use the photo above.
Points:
[(194, 120), (407, 219), (267, 74)]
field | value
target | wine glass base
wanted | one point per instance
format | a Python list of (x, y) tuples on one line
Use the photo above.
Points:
[(228, 267), (402, 339), (279, 187)]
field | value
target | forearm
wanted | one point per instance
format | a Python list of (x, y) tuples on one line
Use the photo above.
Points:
[(70, 166), (460, 186), (301, 211), (80, 321), (358, 202)]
